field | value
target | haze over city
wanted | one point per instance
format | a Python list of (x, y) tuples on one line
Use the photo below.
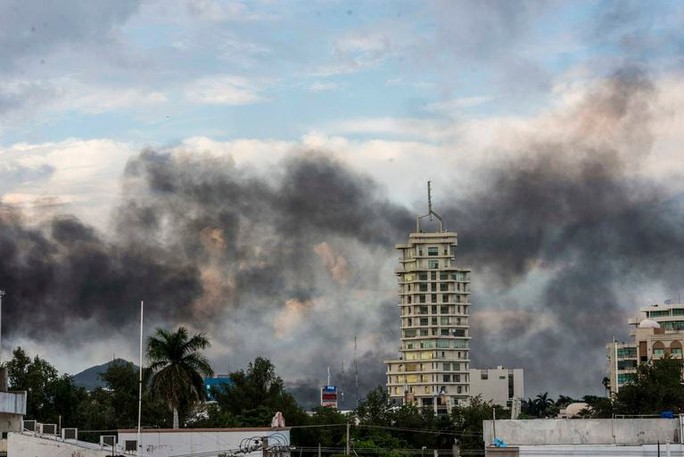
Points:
[(246, 169)]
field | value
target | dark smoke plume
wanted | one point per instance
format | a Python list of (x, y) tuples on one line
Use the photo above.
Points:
[(296, 265), (571, 215)]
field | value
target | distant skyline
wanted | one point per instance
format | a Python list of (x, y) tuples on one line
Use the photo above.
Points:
[(247, 167)]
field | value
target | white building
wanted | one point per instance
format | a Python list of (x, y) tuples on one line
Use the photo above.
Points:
[(434, 302), (249, 442), (12, 410), (500, 385), (254, 442)]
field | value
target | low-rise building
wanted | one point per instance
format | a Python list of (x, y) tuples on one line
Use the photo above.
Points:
[(499, 385), (12, 411), (37, 439)]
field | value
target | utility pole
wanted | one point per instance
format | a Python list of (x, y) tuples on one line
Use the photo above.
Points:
[(348, 442), (140, 379), (494, 421), (2, 294)]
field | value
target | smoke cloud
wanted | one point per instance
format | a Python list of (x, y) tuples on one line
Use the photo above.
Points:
[(571, 213), (297, 265)]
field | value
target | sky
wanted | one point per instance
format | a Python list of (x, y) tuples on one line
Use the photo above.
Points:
[(246, 168)]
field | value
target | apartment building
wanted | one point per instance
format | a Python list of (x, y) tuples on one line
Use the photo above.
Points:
[(432, 369), (657, 331)]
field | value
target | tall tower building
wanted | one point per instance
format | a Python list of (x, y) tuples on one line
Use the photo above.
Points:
[(434, 301)]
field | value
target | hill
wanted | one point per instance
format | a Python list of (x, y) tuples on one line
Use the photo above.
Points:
[(90, 377)]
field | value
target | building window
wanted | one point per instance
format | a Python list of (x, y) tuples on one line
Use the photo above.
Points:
[(434, 299), (423, 321), (444, 309), (447, 378), (421, 298), (625, 377), (484, 374), (422, 310), (433, 276), (432, 264), (433, 250), (422, 276), (658, 352)]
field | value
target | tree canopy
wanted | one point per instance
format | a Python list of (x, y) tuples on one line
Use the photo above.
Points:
[(656, 387)]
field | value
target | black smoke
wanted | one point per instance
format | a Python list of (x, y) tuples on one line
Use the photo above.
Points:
[(297, 263), (575, 212)]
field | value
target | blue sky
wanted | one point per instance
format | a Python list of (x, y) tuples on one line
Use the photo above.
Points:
[(400, 92)]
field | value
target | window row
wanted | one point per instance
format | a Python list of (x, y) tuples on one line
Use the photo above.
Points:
[(433, 298), (425, 321)]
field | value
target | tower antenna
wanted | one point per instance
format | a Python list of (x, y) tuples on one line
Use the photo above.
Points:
[(429, 201), (356, 374), (430, 212)]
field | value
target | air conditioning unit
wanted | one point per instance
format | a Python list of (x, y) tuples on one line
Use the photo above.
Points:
[(69, 433), (29, 425), (47, 429), (107, 440), (131, 445)]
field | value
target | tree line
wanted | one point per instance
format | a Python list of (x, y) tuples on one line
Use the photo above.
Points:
[(174, 395)]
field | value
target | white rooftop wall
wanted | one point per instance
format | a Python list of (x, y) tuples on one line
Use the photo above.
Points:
[(28, 445), (173, 442), (583, 431)]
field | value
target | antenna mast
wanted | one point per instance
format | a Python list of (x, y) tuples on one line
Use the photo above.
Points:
[(430, 212), (356, 374)]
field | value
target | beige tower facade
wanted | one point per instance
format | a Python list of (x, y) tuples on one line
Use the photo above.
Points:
[(434, 300)]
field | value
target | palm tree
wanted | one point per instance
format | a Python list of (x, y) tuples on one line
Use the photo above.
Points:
[(178, 367), (543, 404)]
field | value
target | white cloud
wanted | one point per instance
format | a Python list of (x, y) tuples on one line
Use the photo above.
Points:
[(318, 86), (456, 105), (223, 90), (84, 179)]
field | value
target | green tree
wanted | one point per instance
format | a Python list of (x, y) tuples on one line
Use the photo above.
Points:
[(330, 431), (36, 376), (178, 368), (253, 396), (375, 409), (655, 388), (468, 421), (599, 407)]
